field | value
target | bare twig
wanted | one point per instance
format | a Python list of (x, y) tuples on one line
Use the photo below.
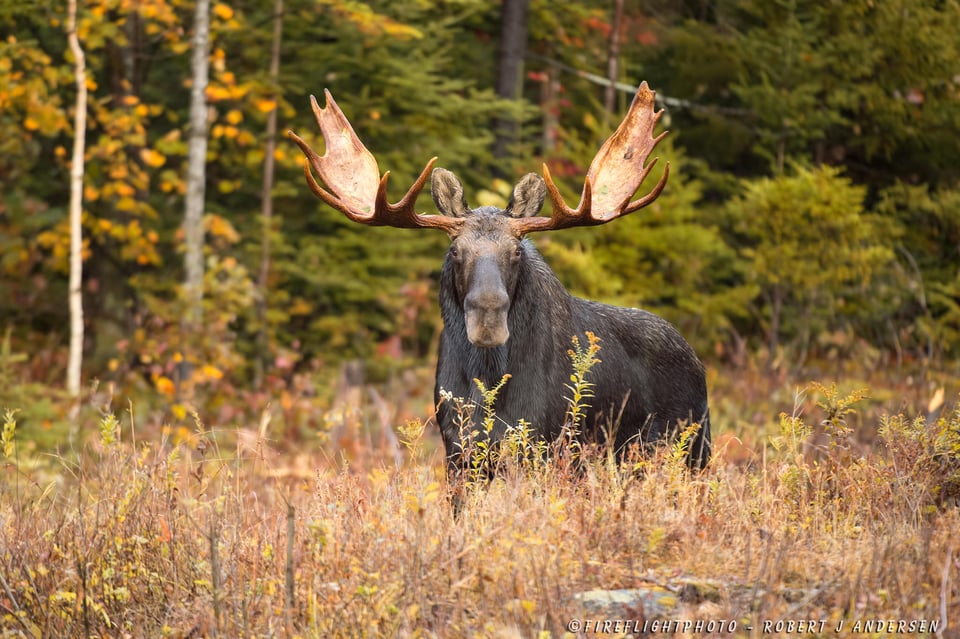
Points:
[(944, 592), (665, 101), (214, 540), (288, 609)]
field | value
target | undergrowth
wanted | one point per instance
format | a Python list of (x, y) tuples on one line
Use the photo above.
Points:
[(189, 537)]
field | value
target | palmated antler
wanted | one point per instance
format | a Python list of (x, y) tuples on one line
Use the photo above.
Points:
[(351, 173), (614, 175)]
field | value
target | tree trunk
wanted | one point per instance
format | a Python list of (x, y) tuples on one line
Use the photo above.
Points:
[(549, 91), (196, 169), (266, 201), (513, 49), (773, 338), (76, 206), (613, 59)]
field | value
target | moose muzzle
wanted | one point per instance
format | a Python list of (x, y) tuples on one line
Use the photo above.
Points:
[(486, 306)]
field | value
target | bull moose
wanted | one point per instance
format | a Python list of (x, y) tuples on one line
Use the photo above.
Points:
[(504, 310)]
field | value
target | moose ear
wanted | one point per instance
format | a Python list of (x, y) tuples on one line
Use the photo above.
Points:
[(447, 193), (528, 196)]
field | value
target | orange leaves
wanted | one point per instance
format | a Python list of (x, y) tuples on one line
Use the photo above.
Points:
[(119, 172), (158, 14), (124, 190), (209, 372), (29, 90), (166, 379), (218, 60), (51, 119), (165, 386), (265, 105), (221, 131), (301, 307), (225, 87), (370, 23), (599, 25), (99, 22), (230, 132), (218, 227), (123, 179), (152, 158), (56, 242), (171, 144), (223, 18), (171, 181), (222, 11), (126, 204), (135, 244), (218, 92)]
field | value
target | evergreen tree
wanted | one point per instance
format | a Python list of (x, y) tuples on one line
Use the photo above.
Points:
[(810, 248)]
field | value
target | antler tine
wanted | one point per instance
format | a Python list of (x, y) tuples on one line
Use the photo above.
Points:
[(402, 214), (351, 174), (562, 216), (654, 193), (614, 175)]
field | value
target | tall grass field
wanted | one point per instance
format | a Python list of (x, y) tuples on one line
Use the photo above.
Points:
[(805, 530)]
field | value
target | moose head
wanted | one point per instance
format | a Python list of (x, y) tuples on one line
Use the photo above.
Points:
[(486, 243)]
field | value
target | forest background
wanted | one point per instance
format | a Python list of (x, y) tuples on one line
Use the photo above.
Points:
[(246, 449), (811, 224)]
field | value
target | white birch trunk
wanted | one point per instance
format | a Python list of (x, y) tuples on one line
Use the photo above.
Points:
[(75, 292), (196, 168)]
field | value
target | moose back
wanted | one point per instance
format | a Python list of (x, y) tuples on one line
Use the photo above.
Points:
[(506, 313)]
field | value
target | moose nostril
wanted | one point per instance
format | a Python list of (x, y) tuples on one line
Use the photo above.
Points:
[(487, 301)]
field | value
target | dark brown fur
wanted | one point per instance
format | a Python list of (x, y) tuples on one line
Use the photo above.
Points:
[(504, 311)]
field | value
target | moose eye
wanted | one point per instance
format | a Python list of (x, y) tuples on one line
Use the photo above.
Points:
[(454, 252), (518, 252)]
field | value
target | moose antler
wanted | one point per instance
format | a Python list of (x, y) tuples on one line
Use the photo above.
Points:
[(351, 173), (614, 175)]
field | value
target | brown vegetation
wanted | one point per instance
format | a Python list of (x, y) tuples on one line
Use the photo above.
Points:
[(190, 536)]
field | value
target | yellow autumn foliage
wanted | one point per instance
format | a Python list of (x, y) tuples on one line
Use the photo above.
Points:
[(165, 386), (152, 158)]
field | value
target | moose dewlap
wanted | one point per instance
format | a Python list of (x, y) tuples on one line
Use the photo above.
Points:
[(505, 312)]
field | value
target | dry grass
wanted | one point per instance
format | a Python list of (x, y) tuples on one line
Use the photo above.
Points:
[(189, 538)]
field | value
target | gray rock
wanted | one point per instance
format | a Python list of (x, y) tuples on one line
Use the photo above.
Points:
[(630, 603)]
